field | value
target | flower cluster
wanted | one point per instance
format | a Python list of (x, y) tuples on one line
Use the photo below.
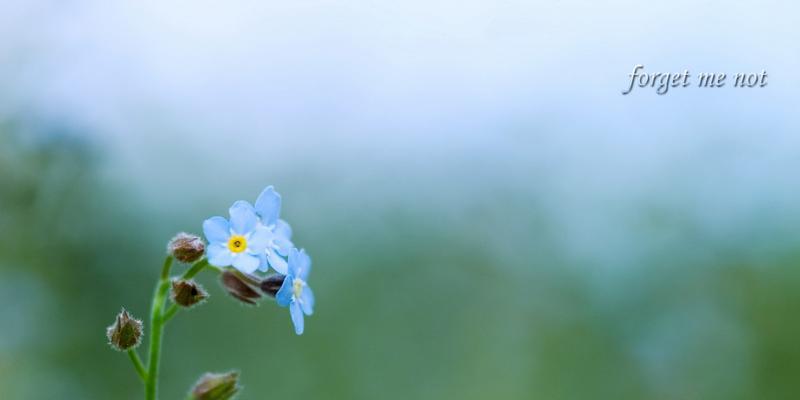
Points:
[(253, 239)]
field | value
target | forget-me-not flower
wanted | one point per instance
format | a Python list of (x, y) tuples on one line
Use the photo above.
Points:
[(295, 292), (268, 207), (240, 242)]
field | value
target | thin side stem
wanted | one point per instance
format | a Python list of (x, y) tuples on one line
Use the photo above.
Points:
[(171, 311), (156, 331), (195, 269), (137, 364)]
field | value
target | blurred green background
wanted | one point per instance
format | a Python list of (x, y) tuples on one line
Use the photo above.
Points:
[(415, 300), (488, 218)]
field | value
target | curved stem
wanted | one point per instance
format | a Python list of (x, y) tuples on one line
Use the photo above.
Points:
[(195, 269), (137, 364), (156, 331)]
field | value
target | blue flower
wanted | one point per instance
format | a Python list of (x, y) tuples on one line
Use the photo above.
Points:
[(295, 292), (268, 207), (240, 242)]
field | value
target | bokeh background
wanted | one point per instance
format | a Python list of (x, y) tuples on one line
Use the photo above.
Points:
[(488, 217)]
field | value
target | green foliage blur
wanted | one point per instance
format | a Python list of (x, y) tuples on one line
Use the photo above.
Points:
[(414, 300)]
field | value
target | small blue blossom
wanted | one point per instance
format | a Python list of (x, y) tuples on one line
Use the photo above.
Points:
[(240, 242), (295, 292), (268, 208)]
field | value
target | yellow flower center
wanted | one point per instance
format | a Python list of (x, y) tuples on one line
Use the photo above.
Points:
[(237, 244), (297, 287)]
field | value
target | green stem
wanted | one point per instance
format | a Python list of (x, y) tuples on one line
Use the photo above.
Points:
[(137, 364), (195, 269), (156, 331), (159, 318), (171, 311)]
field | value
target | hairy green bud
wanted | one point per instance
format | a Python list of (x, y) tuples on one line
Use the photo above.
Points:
[(186, 247), (216, 386), (125, 333), (187, 293)]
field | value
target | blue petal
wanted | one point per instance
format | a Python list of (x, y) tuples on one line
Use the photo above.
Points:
[(297, 318), (246, 263), (282, 228), (263, 264), (303, 267), (282, 245), (277, 262), (258, 240), (307, 300), (268, 206), (216, 230), (284, 295), (219, 255), (243, 217), (294, 254)]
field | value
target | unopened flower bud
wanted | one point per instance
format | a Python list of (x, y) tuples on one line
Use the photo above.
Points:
[(186, 247), (187, 293), (216, 386), (272, 284), (240, 287), (125, 333)]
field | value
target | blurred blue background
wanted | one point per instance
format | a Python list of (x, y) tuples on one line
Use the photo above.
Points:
[(487, 215)]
